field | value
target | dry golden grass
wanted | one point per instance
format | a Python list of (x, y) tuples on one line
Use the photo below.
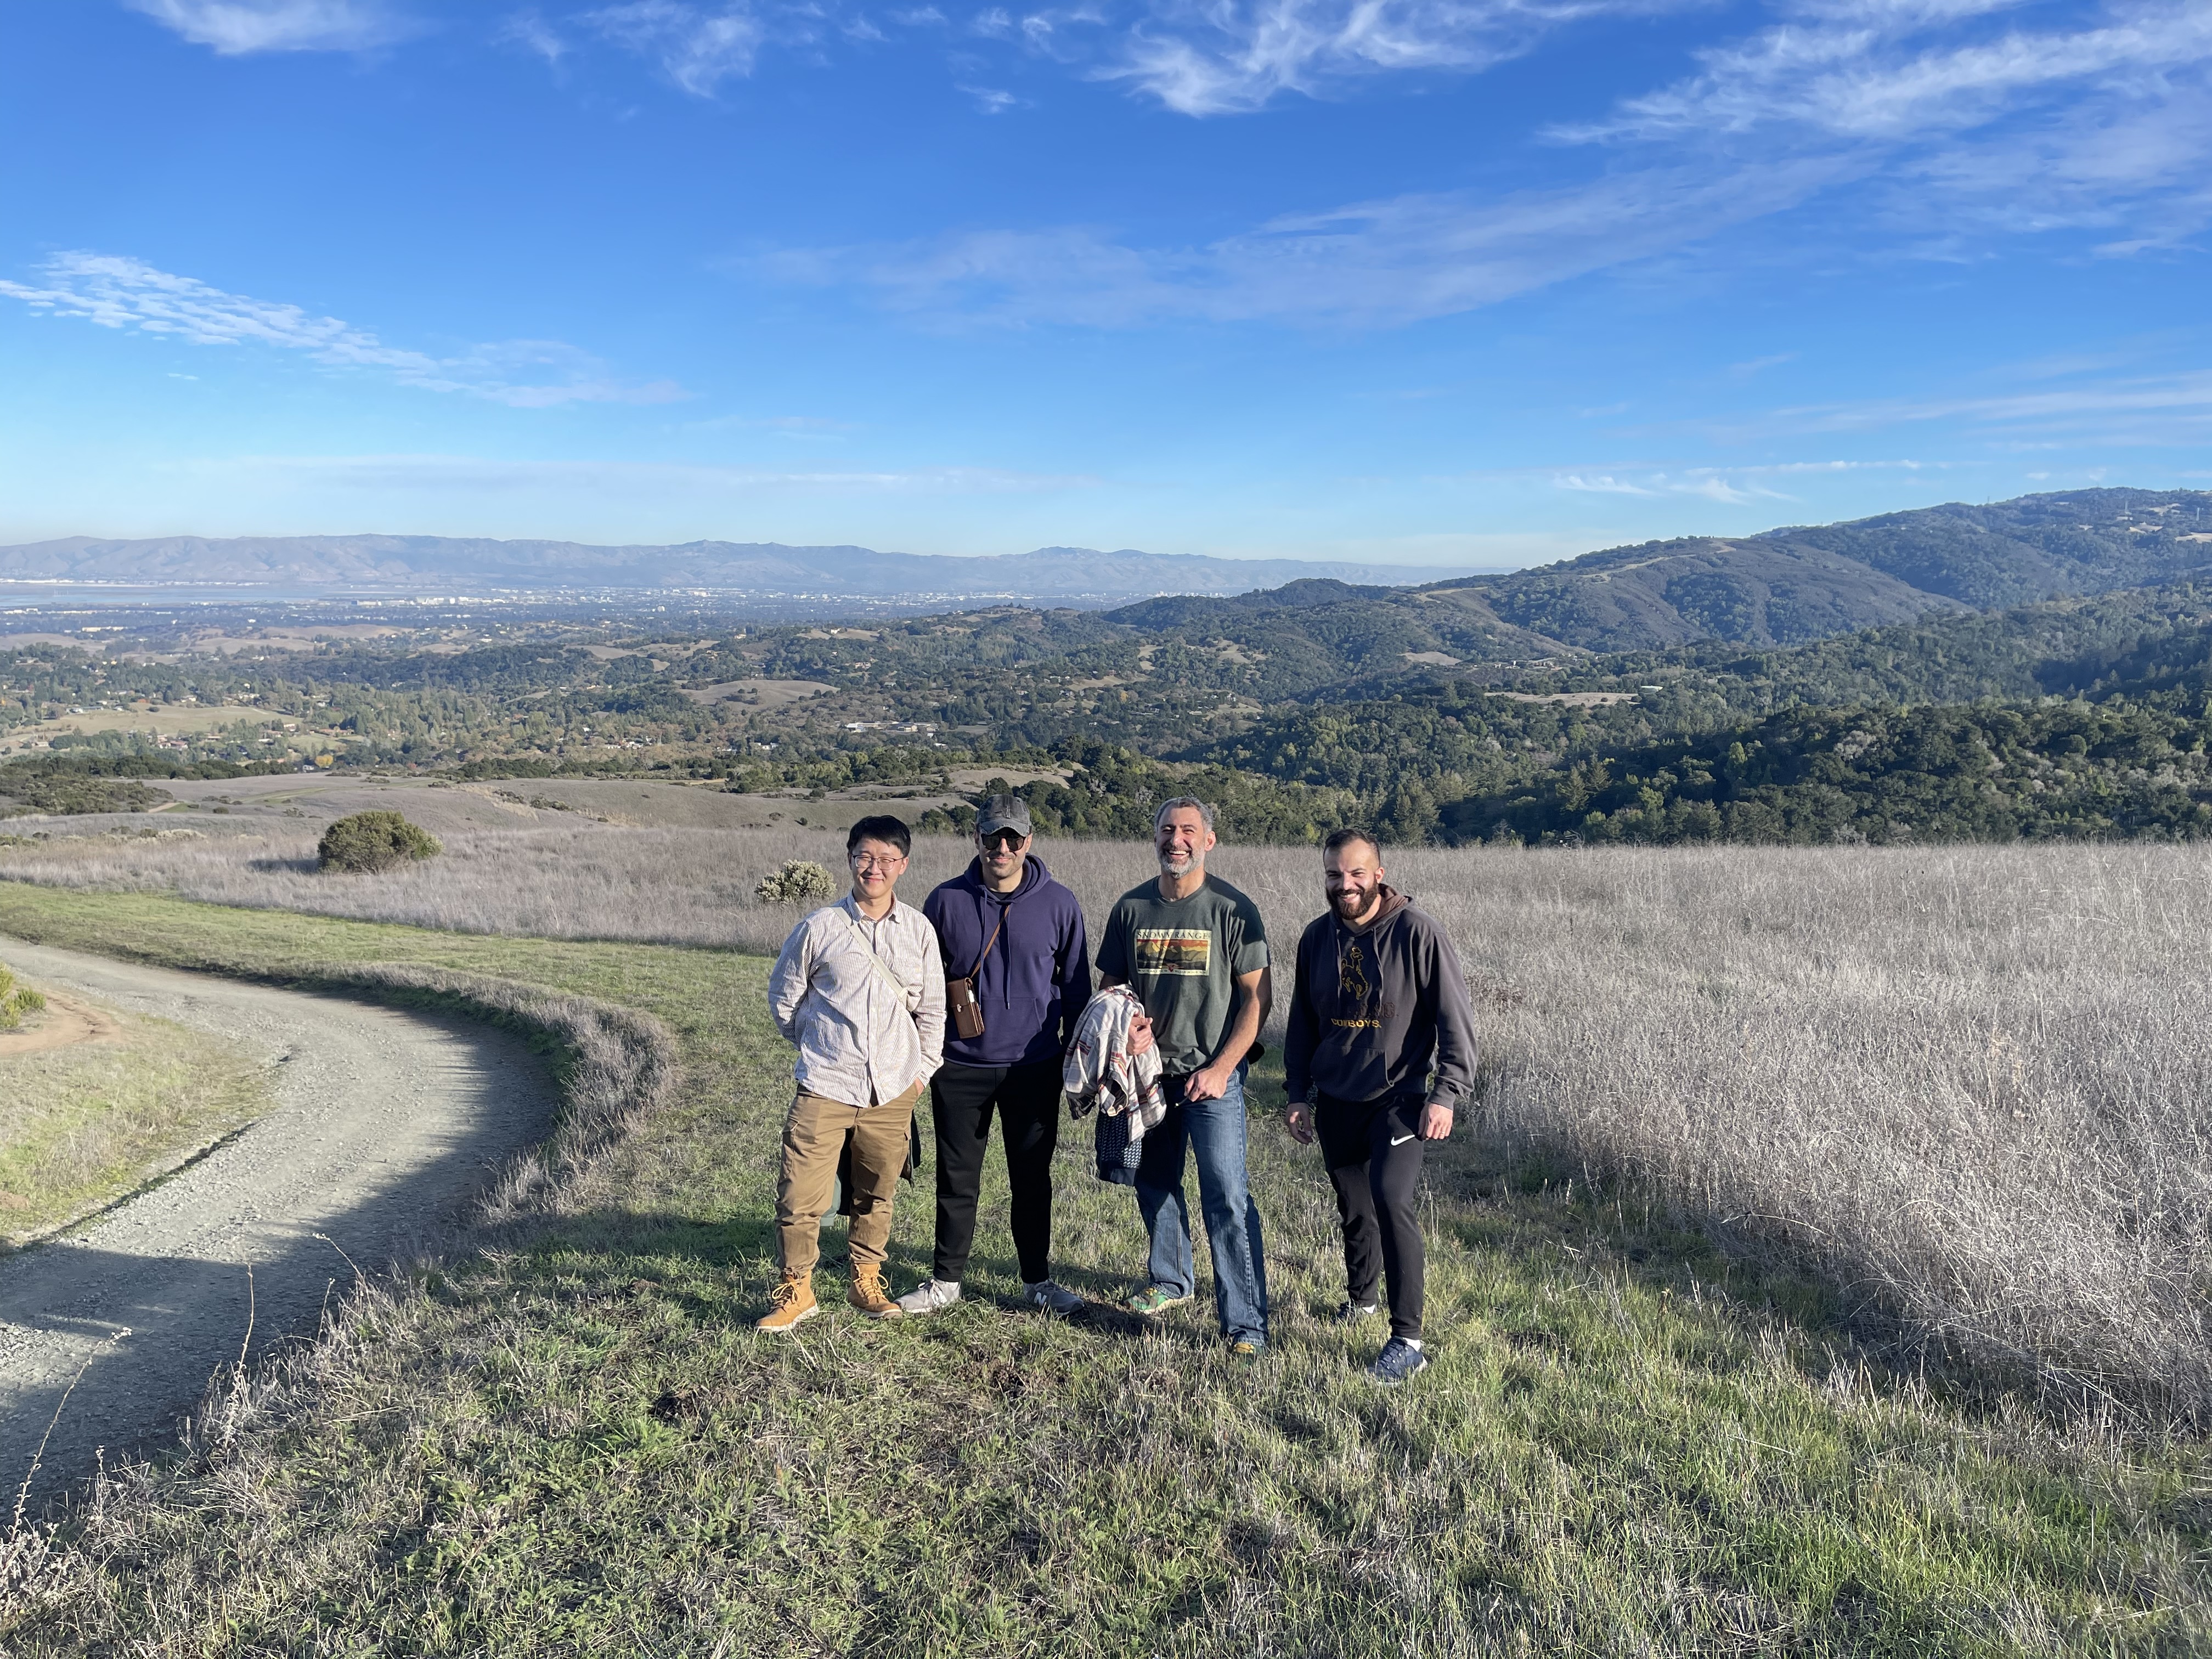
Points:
[(1629, 1443), (1971, 1082)]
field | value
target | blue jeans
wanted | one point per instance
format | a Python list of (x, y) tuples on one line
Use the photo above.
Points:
[(1215, 1130)]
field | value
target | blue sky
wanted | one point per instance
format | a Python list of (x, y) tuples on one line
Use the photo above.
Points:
[(1485, 282)]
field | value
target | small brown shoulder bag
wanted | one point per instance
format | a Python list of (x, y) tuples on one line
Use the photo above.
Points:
[(960, 994)]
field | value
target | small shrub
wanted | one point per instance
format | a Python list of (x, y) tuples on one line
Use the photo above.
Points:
[(16, 1000), (797, 881), (369, 841)]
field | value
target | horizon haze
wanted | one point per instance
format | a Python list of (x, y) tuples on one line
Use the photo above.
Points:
[(1783, 582)]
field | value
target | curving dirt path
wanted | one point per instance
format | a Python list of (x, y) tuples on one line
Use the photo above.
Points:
[(387, 1124)]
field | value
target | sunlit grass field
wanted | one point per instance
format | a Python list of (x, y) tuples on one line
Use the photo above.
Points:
[(1969, 1083), (82, 1124), (575, 1443)]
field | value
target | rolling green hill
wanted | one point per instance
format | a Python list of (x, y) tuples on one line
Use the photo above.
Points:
[(2032, 548), (1782, 587), (2130, 643)]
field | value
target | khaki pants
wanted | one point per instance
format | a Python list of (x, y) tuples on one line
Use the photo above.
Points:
[(813, 1136)]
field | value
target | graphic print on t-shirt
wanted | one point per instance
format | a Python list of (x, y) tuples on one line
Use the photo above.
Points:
[(1351, 975), (1183, 951), (1353, 991)]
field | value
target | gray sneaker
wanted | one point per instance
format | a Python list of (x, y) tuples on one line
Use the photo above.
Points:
[(1055, 1299), (1397, 1361), (931, 1296)]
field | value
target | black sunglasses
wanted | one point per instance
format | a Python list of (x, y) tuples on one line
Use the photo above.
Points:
[(1005, 840)]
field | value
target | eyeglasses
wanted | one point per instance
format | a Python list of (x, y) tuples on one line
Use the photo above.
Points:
[(872, 861), (1004, 841)]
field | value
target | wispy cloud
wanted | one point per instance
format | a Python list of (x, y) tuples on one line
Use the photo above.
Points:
[(2175, 399), (696, 47), (1389, 261), (1866, 69), (1200, 58), (1941, 124), (1712, 486), (120, 293), (235, 27), (530, 30), (1935, 129), (1212, 58), (1601, 483), (1745, 371), (1985, 126), (1732, 486)]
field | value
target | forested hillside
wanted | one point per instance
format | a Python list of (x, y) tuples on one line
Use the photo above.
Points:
[(1983, 772), (1782, 587), (2071, 718), (2134, 641), (2032, 548), (1438, 713)]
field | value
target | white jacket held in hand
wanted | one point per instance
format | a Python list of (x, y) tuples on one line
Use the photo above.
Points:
[(1100, 1071)]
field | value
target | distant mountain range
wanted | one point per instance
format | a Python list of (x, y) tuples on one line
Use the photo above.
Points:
[(1782, 587), (767, 570)]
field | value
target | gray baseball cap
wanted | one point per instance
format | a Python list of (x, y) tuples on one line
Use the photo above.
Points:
[(1004, 812)]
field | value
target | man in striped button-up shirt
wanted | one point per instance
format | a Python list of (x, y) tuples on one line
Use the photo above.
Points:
[(860, 987)]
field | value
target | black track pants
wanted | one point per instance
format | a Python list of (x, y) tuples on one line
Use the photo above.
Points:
[(1027, 1099), (1373, 1148)]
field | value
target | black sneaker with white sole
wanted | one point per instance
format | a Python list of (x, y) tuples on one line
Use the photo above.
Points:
[(1399, 1360), (1349, 1312)]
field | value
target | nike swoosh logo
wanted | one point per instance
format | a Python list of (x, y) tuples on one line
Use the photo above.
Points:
[(1400, 1141)]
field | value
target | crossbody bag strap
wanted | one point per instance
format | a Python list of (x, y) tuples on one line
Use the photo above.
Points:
[(877, 961), (976, 977)]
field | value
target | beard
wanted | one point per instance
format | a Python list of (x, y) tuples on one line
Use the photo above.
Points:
[(1180, 863)]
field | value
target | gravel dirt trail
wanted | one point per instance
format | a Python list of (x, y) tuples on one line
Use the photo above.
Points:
[(386, 1126)]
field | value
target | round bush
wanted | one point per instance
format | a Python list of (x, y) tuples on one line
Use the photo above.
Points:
[(374, 841), (797, 881)]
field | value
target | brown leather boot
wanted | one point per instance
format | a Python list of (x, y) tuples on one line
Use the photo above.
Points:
[(868, 1293), (791, 1301)]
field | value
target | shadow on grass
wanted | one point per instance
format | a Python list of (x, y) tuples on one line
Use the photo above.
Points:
[(737, 1254)]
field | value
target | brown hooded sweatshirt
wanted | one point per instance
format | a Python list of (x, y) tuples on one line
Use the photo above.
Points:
[(1376, 1008)]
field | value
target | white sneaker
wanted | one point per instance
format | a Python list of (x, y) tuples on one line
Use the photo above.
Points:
[(931, 1296), (1053, 1299)]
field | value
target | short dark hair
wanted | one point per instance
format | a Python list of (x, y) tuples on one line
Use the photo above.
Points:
[(1339, 839), (882, 827), (1204, 811)]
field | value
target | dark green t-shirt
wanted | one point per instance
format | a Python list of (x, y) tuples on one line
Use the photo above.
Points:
[(1184, 959)]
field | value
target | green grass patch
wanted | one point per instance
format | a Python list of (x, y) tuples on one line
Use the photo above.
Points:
[(82, 1125), (1628, 1442)]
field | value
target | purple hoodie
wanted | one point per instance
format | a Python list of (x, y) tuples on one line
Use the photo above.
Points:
[(1037, 978)]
